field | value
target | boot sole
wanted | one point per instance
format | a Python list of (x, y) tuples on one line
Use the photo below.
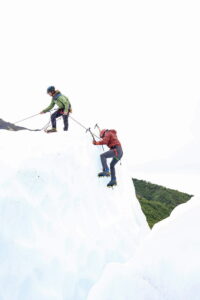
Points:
[(50, 131), (110, 186)]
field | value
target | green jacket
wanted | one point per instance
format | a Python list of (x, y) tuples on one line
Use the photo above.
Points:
[(61, 101)]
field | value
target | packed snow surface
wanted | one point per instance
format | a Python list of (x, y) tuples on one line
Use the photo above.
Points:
[(60, 226)]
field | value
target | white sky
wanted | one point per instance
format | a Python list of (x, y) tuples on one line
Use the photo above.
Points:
[(129, 65)]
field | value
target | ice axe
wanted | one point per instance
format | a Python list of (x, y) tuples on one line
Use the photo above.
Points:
[(89, 130), (97, 126)]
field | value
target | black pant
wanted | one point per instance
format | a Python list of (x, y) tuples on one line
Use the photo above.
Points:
[(56, 115), (117, 154)]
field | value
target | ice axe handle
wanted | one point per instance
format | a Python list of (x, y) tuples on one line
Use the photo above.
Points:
[(91, 133), (97, 126)]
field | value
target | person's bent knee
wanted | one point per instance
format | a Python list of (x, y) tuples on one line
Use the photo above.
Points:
[(113, 163)]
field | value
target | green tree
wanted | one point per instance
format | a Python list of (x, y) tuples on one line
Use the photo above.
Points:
[(157, 202)]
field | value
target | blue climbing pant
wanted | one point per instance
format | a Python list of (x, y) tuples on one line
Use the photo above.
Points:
[(58, 113), (116, 153)]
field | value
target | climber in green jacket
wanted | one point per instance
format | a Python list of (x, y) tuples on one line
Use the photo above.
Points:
[(64, 108)]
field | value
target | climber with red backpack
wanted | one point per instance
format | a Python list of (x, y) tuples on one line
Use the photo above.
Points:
[(109, 138)]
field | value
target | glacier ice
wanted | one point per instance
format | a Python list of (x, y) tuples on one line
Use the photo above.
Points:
[(59, 223)]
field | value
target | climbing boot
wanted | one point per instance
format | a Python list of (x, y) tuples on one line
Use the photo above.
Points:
[(51, 130), (112, 183), (105, 173)]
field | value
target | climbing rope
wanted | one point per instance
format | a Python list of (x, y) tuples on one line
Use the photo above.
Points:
[(86, 129), (26, 119), (47, 125)]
